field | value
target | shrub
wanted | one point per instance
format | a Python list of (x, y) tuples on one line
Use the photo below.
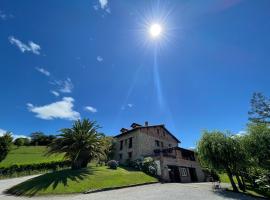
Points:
[(149, 166), (211, 174), (146, 165), (7, 171), (112, 164)]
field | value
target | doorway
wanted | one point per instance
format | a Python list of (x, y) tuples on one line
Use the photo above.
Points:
[(174, 174), (193, 175)]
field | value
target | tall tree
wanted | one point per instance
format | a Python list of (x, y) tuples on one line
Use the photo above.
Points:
[(5, 144), (260, 109), (217, 151), (80, 144)]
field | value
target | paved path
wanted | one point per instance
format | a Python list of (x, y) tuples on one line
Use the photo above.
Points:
[(169, 191)]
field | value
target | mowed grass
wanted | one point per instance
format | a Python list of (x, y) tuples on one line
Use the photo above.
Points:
[(225, 179), (76, 181), (28, 155)]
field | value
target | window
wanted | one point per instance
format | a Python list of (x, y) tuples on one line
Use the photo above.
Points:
[(170, 145), (129, 154), (121, 144), (120, 156), (157, 143), (161, 144), (158, 131), (130, 143), (183, 171)]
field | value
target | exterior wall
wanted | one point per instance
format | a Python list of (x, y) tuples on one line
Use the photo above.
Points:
[(144, 144), (149, 135), (181, 163), (135, 147)]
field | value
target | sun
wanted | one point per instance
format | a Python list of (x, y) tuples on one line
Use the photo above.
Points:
[(155, 30)]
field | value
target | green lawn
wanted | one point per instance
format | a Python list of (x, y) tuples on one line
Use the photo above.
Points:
[(249, 191), (225, 179), (75, 181), (28, 155)]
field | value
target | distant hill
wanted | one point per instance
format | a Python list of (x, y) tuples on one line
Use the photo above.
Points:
[(28, 155)]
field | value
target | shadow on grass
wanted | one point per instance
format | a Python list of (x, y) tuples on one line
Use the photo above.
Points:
[(235, 195), (34, 185)]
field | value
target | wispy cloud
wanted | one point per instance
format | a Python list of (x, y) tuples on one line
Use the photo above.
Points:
[(64, 86), (58, 110), (129, 105), (43, 71), (99, 59), (55, 93), (241, 133), (90, 109), (103, 5), (4, 16), (2, 132), (31, 46)]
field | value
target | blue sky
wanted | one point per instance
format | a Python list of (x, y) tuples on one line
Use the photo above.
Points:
[(63, 60)]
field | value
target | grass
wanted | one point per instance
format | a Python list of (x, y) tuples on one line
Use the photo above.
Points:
[(249, 190), (225, 179), (76, 181), (28, 155)]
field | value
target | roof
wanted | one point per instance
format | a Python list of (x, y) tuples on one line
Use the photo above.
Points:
[(142, 127)]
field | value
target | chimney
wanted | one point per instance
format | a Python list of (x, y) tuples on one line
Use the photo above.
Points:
[(146, 123), (123, 130)]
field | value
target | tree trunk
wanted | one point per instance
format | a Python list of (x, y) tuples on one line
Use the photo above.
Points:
[(243, 181), (84, 163), (229, 173), (240, 184), (76, 164)]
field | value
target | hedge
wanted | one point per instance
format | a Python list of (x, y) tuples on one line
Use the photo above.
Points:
[(54, 165)]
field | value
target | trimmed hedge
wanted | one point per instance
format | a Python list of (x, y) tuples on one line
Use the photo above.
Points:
[(54, 165)]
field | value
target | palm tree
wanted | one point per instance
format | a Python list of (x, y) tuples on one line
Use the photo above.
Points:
[(80, 144)]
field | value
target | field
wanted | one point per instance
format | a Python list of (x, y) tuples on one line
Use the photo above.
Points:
[(76, 181), (28, 155)]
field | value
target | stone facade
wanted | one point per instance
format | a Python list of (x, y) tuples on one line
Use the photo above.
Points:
[(174, 163)]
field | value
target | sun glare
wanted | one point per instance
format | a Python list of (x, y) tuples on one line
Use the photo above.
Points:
[(155, 30)]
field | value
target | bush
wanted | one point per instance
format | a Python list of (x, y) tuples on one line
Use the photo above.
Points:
[(112, 164), (146, 165), (211, 174), (7, 171)]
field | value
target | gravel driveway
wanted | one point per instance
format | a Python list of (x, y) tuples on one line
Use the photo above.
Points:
[(169, 191)]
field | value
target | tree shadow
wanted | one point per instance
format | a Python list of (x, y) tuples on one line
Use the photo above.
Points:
[(42, 182), (236, 195)]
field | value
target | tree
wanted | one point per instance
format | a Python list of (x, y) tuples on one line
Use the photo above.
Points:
[(19, 142), (5, 144), (39, 138), (257, 144), (80, 144), (260, 109), (217, 151)]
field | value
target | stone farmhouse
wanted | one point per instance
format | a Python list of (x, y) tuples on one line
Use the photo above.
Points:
[(175, 164)]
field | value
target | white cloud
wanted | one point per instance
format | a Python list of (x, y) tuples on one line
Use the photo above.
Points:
[(64, 86), (241, 133), (2, 132), (31, 47), (91, 109), (61, 109), (43, 71), (129, 105), (103, 5), (55, 93), (99, 59)]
